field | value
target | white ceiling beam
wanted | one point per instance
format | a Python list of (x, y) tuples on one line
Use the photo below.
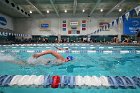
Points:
[(54, 7), (35, 7), (3, 2), (74, 6), (118, 4), (97, 3)]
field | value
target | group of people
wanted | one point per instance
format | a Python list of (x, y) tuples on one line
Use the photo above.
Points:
[(126, 40)]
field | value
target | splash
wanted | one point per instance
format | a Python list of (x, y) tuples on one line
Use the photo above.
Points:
[(7, 57), (31, 60), (39, 60)]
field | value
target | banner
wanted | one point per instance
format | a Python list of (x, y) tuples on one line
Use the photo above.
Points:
[(44, 25), (74, 26), (83, 25), (64, 25), (131, 26), (104, 25)]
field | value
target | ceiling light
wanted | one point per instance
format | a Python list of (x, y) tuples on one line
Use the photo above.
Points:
[(30, 11), (101, 10), (48, 11), (120, 10), (65, 11), (83, 10)]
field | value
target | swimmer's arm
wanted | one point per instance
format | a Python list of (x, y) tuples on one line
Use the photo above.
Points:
[(54, 53), (44, 53)]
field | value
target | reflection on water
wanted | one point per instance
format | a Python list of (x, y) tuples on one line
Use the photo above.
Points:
[(70, 68), (1, 92), (4, 57)]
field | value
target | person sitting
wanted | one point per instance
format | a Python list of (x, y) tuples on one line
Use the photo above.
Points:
[(125, 41), (59, 57), (115, 40)]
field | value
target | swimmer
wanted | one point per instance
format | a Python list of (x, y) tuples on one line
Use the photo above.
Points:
[(59, 58)]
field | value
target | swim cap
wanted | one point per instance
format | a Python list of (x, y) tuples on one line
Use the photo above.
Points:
[(70, 58)]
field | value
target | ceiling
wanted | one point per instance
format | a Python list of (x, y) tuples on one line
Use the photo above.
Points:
[(74, 7)]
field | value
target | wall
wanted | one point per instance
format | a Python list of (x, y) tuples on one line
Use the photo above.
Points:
[(31, 26), (6, 22)]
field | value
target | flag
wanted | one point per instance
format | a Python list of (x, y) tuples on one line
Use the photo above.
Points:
[(120, 20), (137, 9), (127, 15)]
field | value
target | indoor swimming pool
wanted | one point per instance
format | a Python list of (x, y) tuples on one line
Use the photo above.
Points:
[(89, 61)]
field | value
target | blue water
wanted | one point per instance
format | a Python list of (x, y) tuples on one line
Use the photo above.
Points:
[(98, 64)]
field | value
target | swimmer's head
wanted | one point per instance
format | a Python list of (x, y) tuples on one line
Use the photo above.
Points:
[(69, 58)]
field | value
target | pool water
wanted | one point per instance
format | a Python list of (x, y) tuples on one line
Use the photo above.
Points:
[(85, 63)]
